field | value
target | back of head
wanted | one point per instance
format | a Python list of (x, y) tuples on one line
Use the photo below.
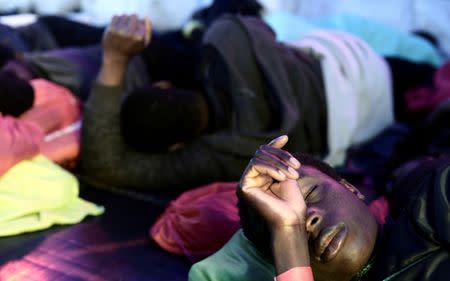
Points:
[(16, 95), (221, 7), (154, 119)]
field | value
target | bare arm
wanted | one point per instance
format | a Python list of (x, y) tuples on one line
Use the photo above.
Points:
[(269, 185), (106, 159), (125, 37)]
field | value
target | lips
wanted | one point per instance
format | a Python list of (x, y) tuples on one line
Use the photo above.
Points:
[(329, 242)]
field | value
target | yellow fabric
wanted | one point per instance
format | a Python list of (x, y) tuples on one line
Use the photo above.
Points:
[(36, 194), (190, 27)]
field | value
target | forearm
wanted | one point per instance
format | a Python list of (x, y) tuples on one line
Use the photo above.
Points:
[(112, 71), (290, 248), (107, 160)]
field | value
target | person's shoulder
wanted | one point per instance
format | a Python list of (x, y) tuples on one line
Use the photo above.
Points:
[(237, 260), (428, 175)]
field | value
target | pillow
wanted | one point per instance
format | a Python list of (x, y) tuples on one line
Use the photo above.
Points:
[(199, 222)]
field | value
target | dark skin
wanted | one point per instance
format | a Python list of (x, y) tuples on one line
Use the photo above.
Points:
[(126, 37), (314, 220)]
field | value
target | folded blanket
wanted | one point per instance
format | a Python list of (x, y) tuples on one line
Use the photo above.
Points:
[(358, 89), (36, 194), (385, 40)]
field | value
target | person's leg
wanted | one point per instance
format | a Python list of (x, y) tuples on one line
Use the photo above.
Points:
[(71, 33), (38, 37), (12, 39), (74, 68)]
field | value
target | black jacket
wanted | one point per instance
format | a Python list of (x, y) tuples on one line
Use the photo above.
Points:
[(416, 241)]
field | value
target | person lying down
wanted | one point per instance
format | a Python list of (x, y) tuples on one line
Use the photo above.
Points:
[(302, 221)]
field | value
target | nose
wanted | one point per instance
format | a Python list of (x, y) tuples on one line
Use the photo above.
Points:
[(313, 221)]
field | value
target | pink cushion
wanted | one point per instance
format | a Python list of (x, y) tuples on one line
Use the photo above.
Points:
[(19, 140), (57, 112), (199, 222)]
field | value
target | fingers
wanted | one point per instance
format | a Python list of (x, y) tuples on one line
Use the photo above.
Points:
[(121, 25), (147, 30), (133, 27), (269, 165), (272, 161), (279, 159), (114, 23), (282, 155), (128, 26), (267, 168), (279, 142), (289, 191)]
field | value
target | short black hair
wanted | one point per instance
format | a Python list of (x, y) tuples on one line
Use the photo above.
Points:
[(16, 94), (254, 226), (219, 8), (153, 119), (312, 161)]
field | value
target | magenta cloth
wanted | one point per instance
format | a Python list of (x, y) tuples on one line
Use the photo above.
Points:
[(380, 209), (199, 222), (19, 140), (421, 101)]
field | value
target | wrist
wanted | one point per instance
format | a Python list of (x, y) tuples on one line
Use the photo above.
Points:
[(290, 247), (112, 72), (114, 59), (296, 273), (287, 227)]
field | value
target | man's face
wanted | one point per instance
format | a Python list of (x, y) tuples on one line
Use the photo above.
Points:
[(341, 228)]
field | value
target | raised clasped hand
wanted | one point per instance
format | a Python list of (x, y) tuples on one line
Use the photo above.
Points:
[(125, 37), (269, 184)]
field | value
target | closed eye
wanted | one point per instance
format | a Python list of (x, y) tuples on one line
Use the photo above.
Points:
[(314, 187)]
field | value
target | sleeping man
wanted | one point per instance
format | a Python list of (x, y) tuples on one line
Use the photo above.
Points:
[(308, 223), (165, 138)]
